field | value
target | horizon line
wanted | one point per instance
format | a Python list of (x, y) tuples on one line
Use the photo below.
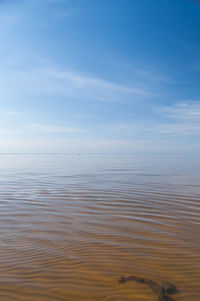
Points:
[(104, 153)]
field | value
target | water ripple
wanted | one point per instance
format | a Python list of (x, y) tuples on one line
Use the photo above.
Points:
[(68, 237)]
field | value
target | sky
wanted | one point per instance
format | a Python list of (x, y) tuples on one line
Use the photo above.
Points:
[(100, 76)]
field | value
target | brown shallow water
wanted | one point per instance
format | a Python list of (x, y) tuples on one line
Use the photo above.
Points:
[(70, 226)]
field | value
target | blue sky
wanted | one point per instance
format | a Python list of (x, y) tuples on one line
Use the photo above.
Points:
[(92, 76)]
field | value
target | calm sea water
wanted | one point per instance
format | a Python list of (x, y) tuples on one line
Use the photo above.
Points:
[(71, 226)]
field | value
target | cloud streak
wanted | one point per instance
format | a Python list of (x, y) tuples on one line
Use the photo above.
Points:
[(180, 119), (48, 81), (183, 110), (55, 129)]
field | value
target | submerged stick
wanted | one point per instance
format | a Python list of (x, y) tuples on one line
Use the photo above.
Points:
[(163, 290)]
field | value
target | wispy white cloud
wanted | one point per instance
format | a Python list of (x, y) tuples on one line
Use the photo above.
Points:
[(180, 119), (49, 81), (102, 87), (177, 129), (29, 79), (7, 116), (7, 132), (182, 110), (154, 77), (55, 129), (7, 113), (17, 14)]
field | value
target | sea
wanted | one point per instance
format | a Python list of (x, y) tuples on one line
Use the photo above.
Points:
[(71, 225)]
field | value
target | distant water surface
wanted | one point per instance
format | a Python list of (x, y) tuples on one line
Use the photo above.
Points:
[(71, 226)]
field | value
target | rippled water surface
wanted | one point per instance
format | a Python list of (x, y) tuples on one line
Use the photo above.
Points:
[(71, 226)]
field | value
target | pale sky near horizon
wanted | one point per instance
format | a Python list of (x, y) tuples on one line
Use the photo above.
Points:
[(92, 76)]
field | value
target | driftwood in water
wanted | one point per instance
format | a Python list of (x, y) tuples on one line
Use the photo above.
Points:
[(163, 290)]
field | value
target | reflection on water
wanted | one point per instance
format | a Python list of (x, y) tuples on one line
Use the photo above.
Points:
[(71, 226)]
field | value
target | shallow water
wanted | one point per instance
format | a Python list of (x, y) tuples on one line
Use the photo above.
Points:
[(71, 226)]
